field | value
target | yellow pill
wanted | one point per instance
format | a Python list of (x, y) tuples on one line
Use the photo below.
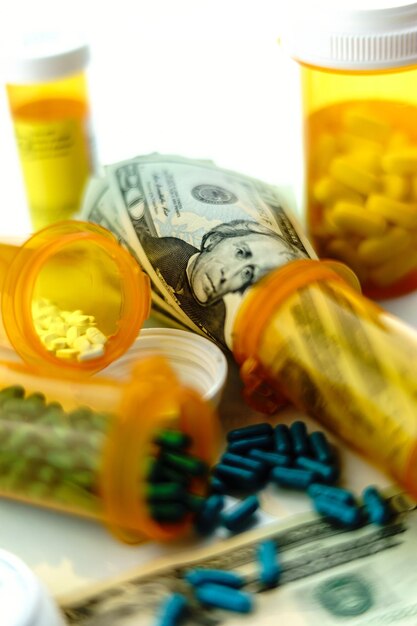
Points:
[(92, 353), (395, 186), (355, 219), (342, 250), (327, 190), (402, 161), (397, 140), (81, 343), (348, 143), (48, 337), (395, 269), (95, 336), (368, 160), (367, 125), (66, 353), (400, 213), (57, 344), (376, 250), (72, 333), (324, 150), (354, 177), (78, 319)]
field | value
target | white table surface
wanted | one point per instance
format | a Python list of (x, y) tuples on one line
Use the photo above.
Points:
[(194, 77)]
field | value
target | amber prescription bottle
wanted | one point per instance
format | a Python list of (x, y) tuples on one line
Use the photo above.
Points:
[(86, 446), (69, 281), (309, 336), (358, 76), (47, 92)]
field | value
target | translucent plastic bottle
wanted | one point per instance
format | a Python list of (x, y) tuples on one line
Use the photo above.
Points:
[(47, 91), (305, 335), (69, 281), (358, 72), (86, 446)]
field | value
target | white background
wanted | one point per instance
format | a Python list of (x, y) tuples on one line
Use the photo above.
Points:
[(199, 78)]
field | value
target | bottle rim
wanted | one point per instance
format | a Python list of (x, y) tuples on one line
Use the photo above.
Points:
[(353, 40)]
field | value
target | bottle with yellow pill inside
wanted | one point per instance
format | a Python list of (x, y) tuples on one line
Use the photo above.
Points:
[(47, 92), (358, 76)]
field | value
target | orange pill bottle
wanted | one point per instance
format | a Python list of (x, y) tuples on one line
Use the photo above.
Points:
[(47, 92), (304, 334), (358, 72), (82, 278)]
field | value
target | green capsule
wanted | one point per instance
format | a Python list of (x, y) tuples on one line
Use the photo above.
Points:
[(60, 460), (159, 472), (194, 502), (173, 440), (24, 408), (165, 491), (185, 463), (51, 416), (168, 512)]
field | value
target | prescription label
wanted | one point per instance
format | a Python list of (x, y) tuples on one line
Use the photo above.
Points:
[(55, 158), (362, 191)]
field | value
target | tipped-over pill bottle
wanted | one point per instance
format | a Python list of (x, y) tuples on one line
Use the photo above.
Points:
[(72, 298), (47, 91), (134, 454), (358, 76), (305, 334)]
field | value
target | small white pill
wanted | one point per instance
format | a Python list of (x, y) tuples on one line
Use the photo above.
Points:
[(93, 353)]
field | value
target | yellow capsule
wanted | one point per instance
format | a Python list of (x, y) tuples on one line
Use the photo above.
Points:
[(66, 353), (376, 250), (368, 160), (355, 219), (353, 176), (397, 140), (400, 213), (324, 150), (402, 161), (395, 186), (366, 125), (348, 143), (327, 190), (342, 250), (394, 269)]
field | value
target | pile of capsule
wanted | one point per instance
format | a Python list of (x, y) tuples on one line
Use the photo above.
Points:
[(290, 458), (222, 589), (67, 334), (49, 454), (171, 477), (363, 204)]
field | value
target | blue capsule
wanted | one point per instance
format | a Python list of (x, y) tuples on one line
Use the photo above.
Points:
[(238, 460), (336, 493), (248, 432), (320, 447), (217, 485), (243, 445), (242, 515), (271, 458), (208, 516), (299, 438), (282, 440), (376, 506), (328, 473), (223, 597), (200, 576), (172, 611), (270, 568), (292, 477), (345, 514), (237, 477)]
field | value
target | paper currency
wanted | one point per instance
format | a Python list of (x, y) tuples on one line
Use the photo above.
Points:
[(203, 234), (331, 576)]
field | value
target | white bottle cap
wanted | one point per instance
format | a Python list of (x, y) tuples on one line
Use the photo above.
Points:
[(23, 600), (42, 57), (353, 39)]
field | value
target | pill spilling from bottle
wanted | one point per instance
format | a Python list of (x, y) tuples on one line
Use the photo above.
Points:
[(67, 334)]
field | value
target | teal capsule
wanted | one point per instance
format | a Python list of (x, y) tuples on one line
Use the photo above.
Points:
[(330, 491), (246, 462), (208, 517), (269, 565), (242, 515), (292, 477), (185, 463), (299, 438), (282, 440), (328, 473), (377, 508), (201, 576), (320, 447), (237, 477), (271, 458), (243, 445), (344, 514), (157, 492), (248, 432), (223, 597), (172, 611)]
